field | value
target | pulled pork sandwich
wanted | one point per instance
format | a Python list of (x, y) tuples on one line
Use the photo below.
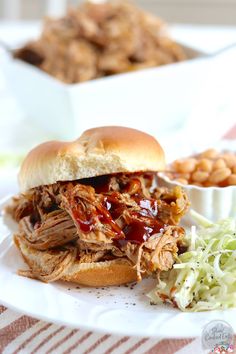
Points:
[(88, 211)]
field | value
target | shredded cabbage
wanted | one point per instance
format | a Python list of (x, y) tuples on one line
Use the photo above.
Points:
[(204, 277)]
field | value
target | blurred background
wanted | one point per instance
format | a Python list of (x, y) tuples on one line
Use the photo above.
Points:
[(181, 11)]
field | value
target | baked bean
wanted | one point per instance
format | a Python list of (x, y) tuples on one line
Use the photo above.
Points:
[(219, 163), (184, 176), (210, 153), (200, 176), (185, 166), (206, 169), (208, 184), (231, 180), (204, 165), (219, 175), (230, 160)]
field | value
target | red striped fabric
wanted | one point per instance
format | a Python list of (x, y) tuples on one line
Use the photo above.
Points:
[(61, 341), (116, 345), (96, 344), (22, 346), (13, 330), (59, 329), (169, 346), (77, 343), (21, 335), (136, 346)]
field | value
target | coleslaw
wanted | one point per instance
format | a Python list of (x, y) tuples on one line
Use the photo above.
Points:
[(204, 277)]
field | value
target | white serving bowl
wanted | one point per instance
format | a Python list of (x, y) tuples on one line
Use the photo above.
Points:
[(156, 100), (215, 203)]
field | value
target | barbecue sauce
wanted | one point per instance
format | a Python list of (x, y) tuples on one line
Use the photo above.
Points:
[(84, 224), (111, 208), (106, 218), (138, 231), (133, 187), (114, 205)]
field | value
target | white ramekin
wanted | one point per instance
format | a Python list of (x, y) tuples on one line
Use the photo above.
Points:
[(215, 203)]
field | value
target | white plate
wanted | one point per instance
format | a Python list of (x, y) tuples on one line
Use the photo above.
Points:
[(118, 310)]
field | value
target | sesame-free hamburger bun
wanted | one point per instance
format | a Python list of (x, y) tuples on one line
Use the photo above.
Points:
[(98, 151)]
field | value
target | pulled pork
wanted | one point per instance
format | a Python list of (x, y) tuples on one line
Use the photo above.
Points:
[(102, 218), (97, 40)]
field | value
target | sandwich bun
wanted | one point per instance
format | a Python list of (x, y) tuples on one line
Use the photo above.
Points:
[(98, 151), (115, 272)]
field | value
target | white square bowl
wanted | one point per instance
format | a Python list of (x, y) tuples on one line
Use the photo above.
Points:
[(156, 100)]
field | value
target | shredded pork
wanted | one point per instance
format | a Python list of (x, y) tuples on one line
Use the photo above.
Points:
[(56, 229), (99, 219), (101, 39)]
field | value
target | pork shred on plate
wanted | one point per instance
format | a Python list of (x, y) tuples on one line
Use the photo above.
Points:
[(103, 218)]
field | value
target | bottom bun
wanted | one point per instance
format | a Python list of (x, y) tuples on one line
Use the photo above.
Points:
[(115, 272)]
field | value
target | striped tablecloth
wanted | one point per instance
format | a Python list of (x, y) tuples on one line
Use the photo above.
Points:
[(23, 334)]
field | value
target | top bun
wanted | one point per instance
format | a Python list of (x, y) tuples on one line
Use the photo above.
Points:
[(98, 151)]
